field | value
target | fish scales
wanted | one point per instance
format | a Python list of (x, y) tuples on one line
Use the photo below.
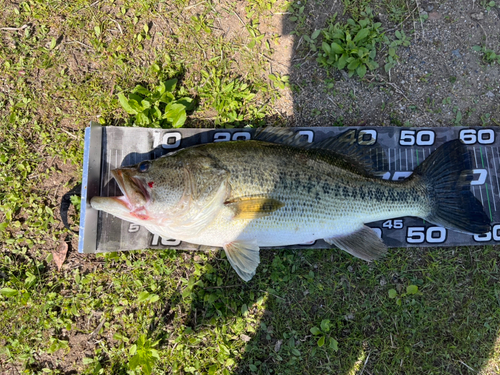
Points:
[(321, 198), (245, 195)]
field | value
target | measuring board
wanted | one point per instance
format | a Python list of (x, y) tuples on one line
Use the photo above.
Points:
[(111, 147)]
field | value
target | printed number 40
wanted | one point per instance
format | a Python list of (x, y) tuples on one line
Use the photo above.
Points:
[(393, 224)]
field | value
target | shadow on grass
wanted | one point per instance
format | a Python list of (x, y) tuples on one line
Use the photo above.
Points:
[(449, 326)]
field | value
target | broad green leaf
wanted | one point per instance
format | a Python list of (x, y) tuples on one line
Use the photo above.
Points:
[(167, 97), (141, 90), (336, 48), (87, 361), (353, 65), (392, 293), (244, 309), (125, 104), (160, 89), (143, 296), (334, 344), (398, 34), (342, 61), (53, 43), (392, 52), (361, 70), (155, 67), (142, 119), (362, 34), (8, 292), (315, 331), (145, 104), (326, 47), (315, 34), (175, 114), (97, 31), (325, 325), (321, 341), (170, 84), (135, 105), (412, 289)]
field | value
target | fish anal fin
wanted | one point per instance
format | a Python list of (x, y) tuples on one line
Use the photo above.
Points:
[(253, 207), (364, 244), (244, 257)]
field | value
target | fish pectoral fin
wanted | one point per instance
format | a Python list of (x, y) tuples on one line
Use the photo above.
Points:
[(253, 207), (244, 257), (363, 244)]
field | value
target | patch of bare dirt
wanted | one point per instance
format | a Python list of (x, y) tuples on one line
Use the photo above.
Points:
[(438, 75)]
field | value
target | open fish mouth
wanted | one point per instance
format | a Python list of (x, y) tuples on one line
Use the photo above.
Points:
[(135, 196), (133, 201)]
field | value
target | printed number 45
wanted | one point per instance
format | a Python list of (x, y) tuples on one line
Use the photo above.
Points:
[(393, 224)]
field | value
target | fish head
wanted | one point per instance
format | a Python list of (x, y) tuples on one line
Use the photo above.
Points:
[(151, 189)]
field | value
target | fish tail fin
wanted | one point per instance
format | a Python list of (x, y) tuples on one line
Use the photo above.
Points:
[(447, 174)]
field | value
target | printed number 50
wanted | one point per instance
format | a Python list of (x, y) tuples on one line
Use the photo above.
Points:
[(431, 235)]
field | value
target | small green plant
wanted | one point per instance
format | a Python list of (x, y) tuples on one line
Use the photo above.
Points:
[(489, 56), (397, 10), (351, 45), (143, 355), (279, 81), (401, 40), (355, 7), (488, 5), (410, 290), (76, 201), (231, 98), (485, 119), (322, 332), (158, 108), (458, 116), (296, 8)]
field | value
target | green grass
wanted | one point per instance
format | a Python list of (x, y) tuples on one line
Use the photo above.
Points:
[(306, 312)]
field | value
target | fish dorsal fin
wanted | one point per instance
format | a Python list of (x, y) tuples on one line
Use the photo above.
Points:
[(284, 136), (363, 244), (253, 207), (244, 257), (371, 159)]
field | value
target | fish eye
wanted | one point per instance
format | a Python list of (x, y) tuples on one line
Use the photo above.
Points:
[(144, 166)]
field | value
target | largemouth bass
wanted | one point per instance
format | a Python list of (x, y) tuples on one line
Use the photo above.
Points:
[(278, 191)]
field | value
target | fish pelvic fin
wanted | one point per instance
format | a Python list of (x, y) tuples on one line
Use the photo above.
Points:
[(363, 244), (447, 174), (244, 257), (253, 207)]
